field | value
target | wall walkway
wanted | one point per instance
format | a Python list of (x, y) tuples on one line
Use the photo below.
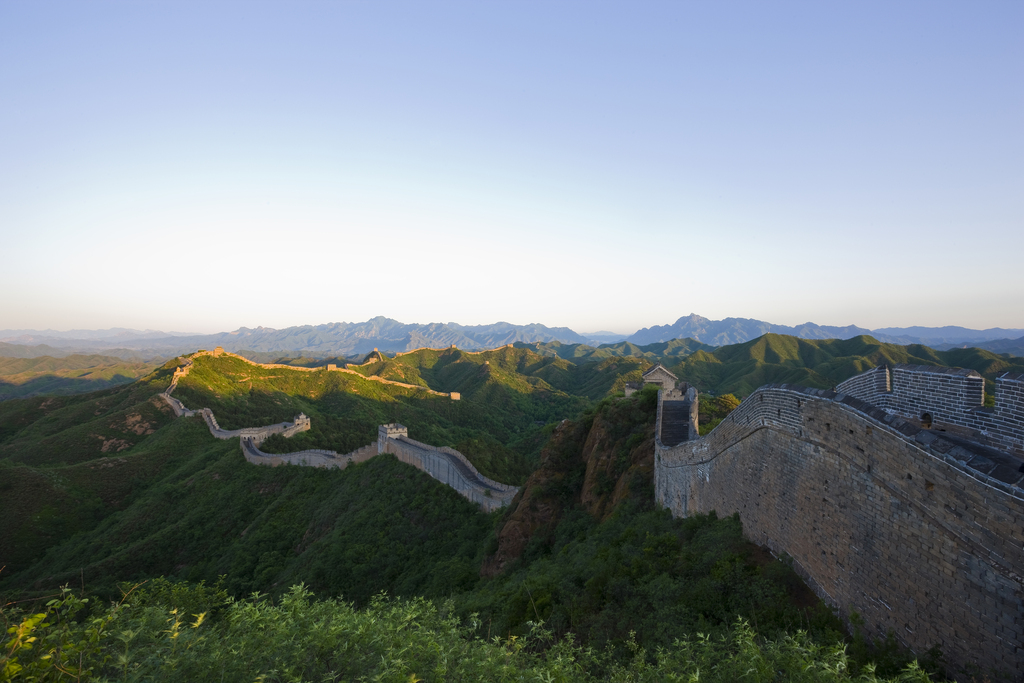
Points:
[(446, 465)]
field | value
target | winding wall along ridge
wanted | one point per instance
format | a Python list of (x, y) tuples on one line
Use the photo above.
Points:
[(918, 532), (447, 465), (330, 368)]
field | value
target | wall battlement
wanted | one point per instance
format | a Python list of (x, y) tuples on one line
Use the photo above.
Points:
[(918, 531), (947, 398)]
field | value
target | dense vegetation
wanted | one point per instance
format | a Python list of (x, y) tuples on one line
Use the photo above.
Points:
[(657, 352), (713, 409), (741, 368), (182, 633), (108, 488), (507, 397), (73, 374), (377, 526)]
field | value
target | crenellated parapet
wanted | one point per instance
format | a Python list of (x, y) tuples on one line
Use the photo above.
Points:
[(949, 399)]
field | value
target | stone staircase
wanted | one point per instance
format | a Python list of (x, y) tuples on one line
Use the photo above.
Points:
[(675, 422)]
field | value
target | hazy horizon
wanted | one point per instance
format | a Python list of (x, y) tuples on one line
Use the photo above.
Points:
[(206, 167), (584, 333)]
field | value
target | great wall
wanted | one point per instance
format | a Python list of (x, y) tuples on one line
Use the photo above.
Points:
[(446, 465), (898, 496)]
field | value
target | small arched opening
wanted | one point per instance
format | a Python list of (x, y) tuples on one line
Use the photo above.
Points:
[(926, 420)]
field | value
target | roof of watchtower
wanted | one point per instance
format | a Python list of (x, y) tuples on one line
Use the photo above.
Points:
[(661, 367)]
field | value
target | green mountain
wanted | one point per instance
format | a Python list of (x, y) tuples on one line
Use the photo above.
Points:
[(22, 377), (656, 352), (507, 396), (774, 358), (70, 461), (108, 487)]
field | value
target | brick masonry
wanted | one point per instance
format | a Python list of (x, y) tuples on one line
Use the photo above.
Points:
[(446, 465), (950, 397), (882, 517)]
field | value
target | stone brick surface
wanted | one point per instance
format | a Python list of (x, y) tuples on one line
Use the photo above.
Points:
[(898, 529), (951, 397)]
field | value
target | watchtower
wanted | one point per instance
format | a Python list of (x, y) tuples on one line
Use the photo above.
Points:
[(659, 374), (391, 430)]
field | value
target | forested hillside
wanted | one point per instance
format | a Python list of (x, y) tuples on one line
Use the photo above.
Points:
[(72, 374), (582, 550), (507, 397), (109, 488), (775, 358)]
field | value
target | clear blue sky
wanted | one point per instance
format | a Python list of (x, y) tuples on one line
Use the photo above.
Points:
[(203, 166)]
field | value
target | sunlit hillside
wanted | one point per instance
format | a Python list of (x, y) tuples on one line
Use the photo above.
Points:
[(507, 397), (72, 374), (776, 358)]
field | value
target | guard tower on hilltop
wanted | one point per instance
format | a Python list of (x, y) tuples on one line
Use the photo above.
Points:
[(659, 375)]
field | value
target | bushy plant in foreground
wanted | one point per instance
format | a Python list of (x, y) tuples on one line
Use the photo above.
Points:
[(302, 639)]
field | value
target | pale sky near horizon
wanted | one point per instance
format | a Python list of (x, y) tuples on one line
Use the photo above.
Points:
[(603, 166)]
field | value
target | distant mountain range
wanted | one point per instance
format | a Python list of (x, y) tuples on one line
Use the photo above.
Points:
[(355, 339), (332, 339), (740, 330)]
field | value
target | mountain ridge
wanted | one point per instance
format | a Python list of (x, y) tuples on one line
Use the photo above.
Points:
[(741, 330), (354, 339)]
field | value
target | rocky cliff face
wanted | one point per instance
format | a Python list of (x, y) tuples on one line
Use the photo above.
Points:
[(594, 464)]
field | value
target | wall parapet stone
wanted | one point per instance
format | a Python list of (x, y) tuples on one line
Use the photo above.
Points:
[(949, 398)]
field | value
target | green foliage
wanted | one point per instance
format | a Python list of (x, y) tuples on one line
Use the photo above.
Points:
[(648, 574), (64, 429), (776, 358), (69, 462), (381, 525), (713, 409), (302, 639), (61, 643), (73, 374), (185, 597)]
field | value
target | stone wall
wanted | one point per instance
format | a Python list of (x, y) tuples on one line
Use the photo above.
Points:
[(918, 534), (446, 465), (872, 386), (952, 398), (308, 458)]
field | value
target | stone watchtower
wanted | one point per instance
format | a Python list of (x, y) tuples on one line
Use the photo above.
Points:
[(659, 374), (392, 430)]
